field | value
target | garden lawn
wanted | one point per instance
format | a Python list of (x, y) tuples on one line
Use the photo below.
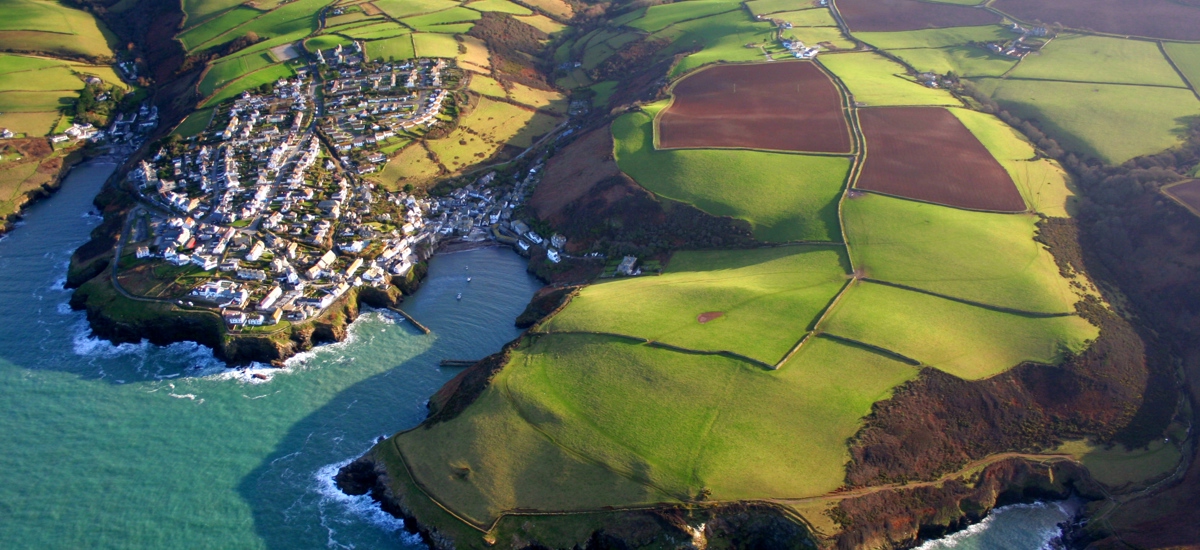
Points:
[(768, 298), (961, 60), (685, 422), (1043, 183), (1083, 58), (936, 38), (1111, 122), (977, 256), (785, 197), (874, 80), (660, 16), (963, 340)]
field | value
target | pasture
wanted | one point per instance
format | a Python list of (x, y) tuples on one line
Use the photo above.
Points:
[(1083, 58), (255, 79), (487, 85), (966, 341), (829, 38), (411, 165), (965, 61), (935, 38), (197, 36), (1042, 182), (1111, 122), (925, 153), (541, 23), (452, 15), (909, 15), (721, 37), (486, 129), (1187, 58), (683, 422), (435, 45), (546, 100), (325, 42), (877, 81), (767, 299), (785, 106), (391, 49), (785, 197), (763, 7), (404, 8), (980, 257), (1151, 18), (555, 8), (816, 17), (231, 68), (660, 16), (31, 123), (476, 57), (52, 27), (502, 6)]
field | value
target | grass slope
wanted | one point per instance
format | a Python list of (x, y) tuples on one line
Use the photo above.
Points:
[(818, 17), (249, 81), (963, 340), (391, 49), (769, 297), (1187, 58), (230, 69), (1043, 183), (486, 129), (502, 6), (874, 80), (1111, 122), (785, 197), (659, 17), (683, 422), (965, 61), (935, 38), (761, 7), (435, 45), (1082, 58), (978, 256), (720, 37), (405, 8), (52, 27)]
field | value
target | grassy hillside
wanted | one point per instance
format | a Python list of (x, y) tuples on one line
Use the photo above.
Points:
[(1082, 58), (935, 38), (52, 27), (767, 297), (1111, 122), (875, 81), (785, 197), (964, 340), (977, 256), (961, 60)]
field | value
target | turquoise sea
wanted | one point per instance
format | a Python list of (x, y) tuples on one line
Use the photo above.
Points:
[(139, 446)]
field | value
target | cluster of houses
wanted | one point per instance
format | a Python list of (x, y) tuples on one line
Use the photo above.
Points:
[(1031, 40), (799, 50), (257, 204), (370, 105)]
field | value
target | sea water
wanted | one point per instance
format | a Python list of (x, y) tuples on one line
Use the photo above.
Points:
[(141, 446)]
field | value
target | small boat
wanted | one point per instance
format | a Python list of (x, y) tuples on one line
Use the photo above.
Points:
[(468, 279), (459, 297)]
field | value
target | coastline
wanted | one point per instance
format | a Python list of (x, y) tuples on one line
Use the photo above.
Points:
[(25, 200)]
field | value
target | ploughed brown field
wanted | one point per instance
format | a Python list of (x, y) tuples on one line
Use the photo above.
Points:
[(782, 106), (911, 15), (1187, 192), (925, 153), (1173, 19)]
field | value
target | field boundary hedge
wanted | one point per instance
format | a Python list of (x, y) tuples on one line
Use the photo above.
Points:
[(964, 301)]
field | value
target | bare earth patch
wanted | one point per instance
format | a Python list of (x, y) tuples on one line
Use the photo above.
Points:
[(708, 316)]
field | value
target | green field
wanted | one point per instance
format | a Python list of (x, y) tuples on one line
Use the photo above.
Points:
[(194, 123), (785, 197), (1108, 121), (659, 17), (411, 165), (936, 38), (874, 80), (817, 17), (1081, 58), (823, 36), (29, 102), (769, 297), (198, 11), (385, 29), (1043, 183), (487, 85), (977, 256), (963, 340), (449, 28), (295, 19), (722, 37), (604, 91), (502, 6), (965, 61), (325, 42), (52, 27), (405, 8), (230, 69), (197, 36), (1187, 58), (392, 49), (683, 422), (32, 124), (252, 80), (761, 7), (435, 45), (452, 15), (488, 127), (15, 63), (542, 23)]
